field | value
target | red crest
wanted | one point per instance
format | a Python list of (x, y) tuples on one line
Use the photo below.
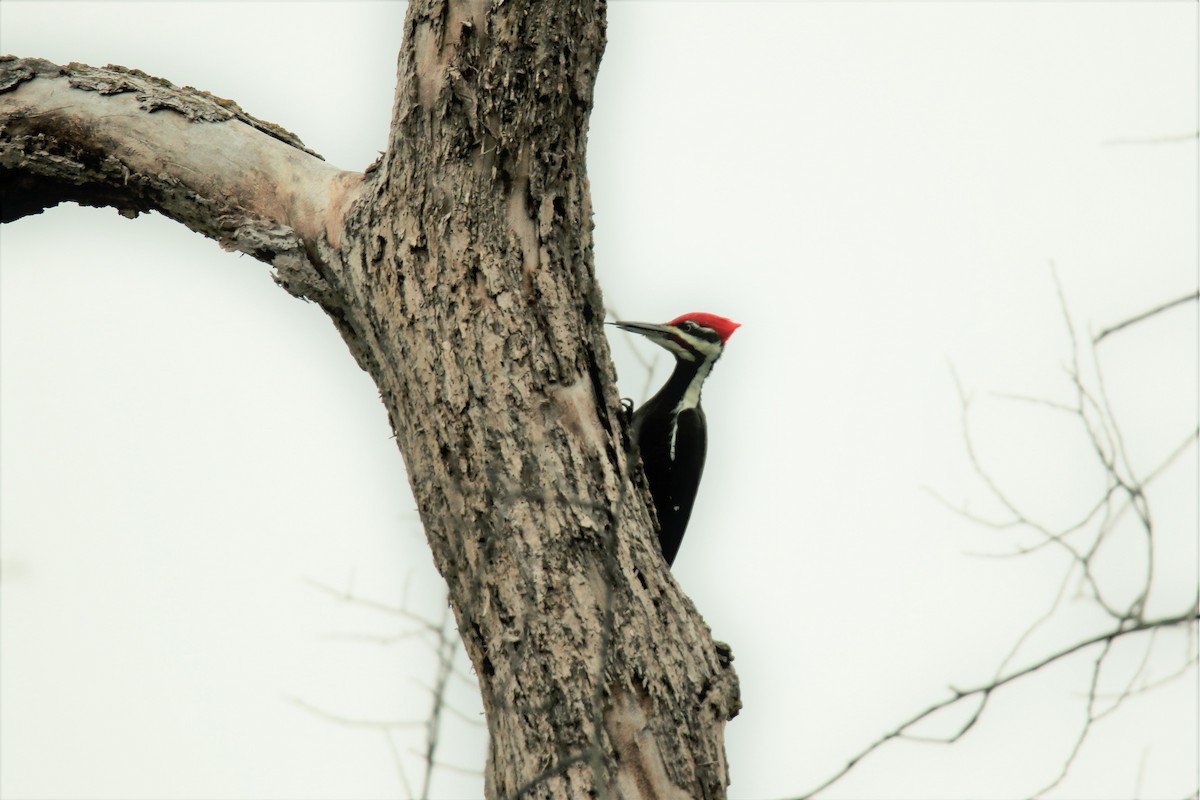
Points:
[(722, 325)]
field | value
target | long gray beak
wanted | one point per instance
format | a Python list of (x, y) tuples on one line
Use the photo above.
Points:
[(645, 329)]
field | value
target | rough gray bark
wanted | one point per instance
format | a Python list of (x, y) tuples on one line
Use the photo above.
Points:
[(459, 271)]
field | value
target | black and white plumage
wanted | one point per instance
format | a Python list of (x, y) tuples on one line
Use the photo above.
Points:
[(670, 429)]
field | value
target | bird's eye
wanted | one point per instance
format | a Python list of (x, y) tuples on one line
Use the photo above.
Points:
[(690, 326)]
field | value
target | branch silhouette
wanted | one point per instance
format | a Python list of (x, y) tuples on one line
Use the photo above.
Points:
[(443, 639), (1124, 493)]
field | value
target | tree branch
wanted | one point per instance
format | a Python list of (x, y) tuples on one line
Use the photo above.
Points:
[(1082, 541), (985, 691), (1178, 301), (118, 137)]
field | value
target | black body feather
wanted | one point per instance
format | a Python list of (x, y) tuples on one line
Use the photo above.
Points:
[(673, 477)]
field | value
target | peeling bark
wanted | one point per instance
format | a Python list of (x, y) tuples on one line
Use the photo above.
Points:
[(459, 271), (118, 137)]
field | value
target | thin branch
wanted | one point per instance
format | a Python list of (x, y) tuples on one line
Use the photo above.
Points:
[(985, 691), (398, 760), (1086, 728), (1169, 138), (461, 770), (1041, 401), (369, 638), (348, 597), (351, 721), (1098, 528), (648, 364), (445, 652), (1179, 450), (1146, 315), (445, 644)]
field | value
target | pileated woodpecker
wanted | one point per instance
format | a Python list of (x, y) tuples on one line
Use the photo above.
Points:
[(669, 428)]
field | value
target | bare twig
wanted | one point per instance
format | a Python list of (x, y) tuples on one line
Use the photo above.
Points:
[(351, 721), (445, 643), (1169, 138), (1122, 493), (399, 611), (1146, 315), (985, 691)]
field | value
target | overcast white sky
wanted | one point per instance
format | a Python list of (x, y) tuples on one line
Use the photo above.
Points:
[(875, 190)]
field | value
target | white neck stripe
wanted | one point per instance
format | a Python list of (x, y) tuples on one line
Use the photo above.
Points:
[(691, 396)]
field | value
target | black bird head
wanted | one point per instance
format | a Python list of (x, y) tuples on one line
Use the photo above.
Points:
[(692, 337)]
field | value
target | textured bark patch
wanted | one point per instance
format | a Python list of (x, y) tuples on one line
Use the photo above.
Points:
[(577, 413), (156, 94), (641, 771)]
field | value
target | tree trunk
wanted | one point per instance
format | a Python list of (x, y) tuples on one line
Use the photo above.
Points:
[(459, 271)]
